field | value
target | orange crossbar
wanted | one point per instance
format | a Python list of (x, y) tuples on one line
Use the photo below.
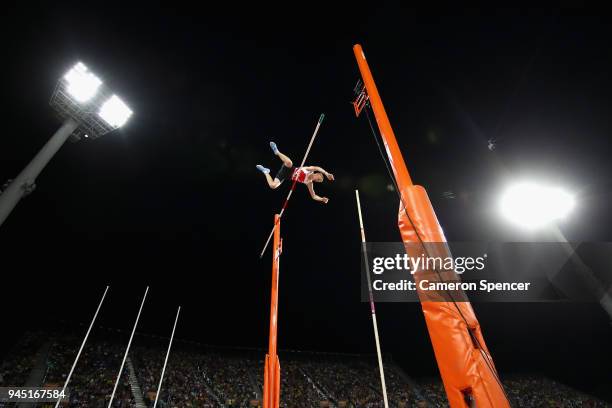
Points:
[(272, 365), (465, 364)]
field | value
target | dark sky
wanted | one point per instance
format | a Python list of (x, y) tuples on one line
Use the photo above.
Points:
[(174, 200)]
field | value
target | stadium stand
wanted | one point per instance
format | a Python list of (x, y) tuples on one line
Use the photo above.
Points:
[(209, 377)]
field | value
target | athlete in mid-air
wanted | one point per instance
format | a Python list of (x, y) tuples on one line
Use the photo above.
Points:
[(305, 175)]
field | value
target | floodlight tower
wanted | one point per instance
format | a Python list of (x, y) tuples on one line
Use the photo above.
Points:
[(89, 110)]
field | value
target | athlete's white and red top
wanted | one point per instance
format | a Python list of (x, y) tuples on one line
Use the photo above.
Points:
[(300, 174)]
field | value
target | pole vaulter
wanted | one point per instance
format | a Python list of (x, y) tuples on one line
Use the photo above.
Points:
[(271, 387), (282, 211), (372, 307), (465, 364)]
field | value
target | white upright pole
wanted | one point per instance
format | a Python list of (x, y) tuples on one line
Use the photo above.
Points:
[(166, 360), (81, 349), (372, 308), (110, 402)]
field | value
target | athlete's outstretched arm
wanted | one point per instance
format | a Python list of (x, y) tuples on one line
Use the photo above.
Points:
[(314, 195), (320, 170)]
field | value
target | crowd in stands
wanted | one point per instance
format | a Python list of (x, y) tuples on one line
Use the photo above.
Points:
[(433, 392), (14, 371), (361, 387), (203, 377), (532, 391), (398, 389), (524, 391), (303, 391), (94, 376), (229, 377)]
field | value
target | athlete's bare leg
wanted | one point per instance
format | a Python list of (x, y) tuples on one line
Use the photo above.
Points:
[(273, 183), (286, 160)]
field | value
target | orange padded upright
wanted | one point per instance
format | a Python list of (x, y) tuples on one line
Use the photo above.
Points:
[(464, 361)]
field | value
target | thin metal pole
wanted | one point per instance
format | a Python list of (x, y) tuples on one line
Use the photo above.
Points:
[(127, 349), (166, 360), (82, 346), (26, 179), (372, 307), (294, 183)]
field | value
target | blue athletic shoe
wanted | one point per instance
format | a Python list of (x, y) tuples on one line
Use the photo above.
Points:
[(274, 148), (263, 169)]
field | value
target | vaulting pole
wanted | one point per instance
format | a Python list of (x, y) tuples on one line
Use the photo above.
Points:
[(465, 364), (372, 307), (272, 365)]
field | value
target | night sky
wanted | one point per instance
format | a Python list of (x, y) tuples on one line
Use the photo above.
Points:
[(173, 200)]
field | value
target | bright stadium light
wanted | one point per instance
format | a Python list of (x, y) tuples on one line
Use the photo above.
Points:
[(81, 84), (532, 206), (115, 112), (88, 110)]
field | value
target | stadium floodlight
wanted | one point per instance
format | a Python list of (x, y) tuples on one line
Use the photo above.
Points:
[(81, 83), (533, 206), (82, 96), (89, 110), (115, 112)]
